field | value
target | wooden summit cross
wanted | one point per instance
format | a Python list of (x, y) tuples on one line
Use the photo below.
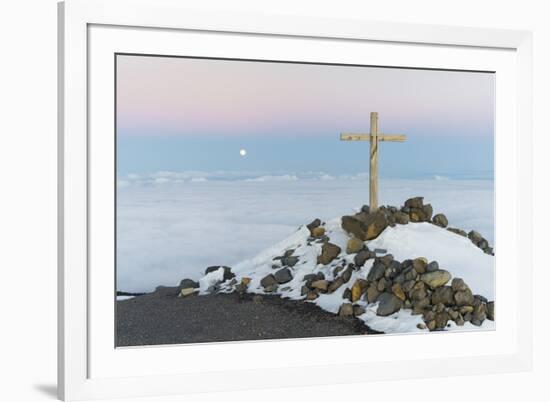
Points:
[(373, 137)]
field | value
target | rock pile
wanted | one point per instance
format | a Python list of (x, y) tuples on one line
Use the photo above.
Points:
[(365, 225), (417, 285)]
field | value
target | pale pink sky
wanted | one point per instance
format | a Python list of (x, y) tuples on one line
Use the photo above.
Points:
[(159, 96)]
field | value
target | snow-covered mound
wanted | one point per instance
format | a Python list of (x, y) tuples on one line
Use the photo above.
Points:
[(286, 268)]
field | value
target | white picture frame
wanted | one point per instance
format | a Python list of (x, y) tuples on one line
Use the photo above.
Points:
[(91, 30)]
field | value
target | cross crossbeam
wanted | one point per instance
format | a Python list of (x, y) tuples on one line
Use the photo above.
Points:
[(373, 137)]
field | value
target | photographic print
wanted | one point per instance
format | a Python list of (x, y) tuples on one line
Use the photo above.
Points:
[(264, 200)]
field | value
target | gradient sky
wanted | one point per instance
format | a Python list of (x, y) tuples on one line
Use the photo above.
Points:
[(181, 114)]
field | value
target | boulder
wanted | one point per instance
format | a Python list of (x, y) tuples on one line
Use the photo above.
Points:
[(458, 284), (227, 274), (365, 226), (358, 288), (317, 232), (479, 314), (335, 284), (361, 257), (314, 224), (358, 310), (464, 298), (268, 280), (188, 283), (346, 310), (188, 292), (440, 220), (441, 319), (346, 275), (444, 295), (289, 261), (475, 237), (354, 246), (401, 218), (416, 202), (376, 272), (328, 253), (312, 295), (321, 285), (436, 279), (283, 275), (398, 291), (457, 231), (432, 266), (388, 304), (372, 293), (419, 265)]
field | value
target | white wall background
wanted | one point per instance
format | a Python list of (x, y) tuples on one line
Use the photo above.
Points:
[(28, 195)]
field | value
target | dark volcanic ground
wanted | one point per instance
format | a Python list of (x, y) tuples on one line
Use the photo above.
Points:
[(163, 318)]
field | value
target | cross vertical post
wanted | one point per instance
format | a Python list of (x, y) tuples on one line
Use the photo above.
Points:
[(373, 169), (374, 137)]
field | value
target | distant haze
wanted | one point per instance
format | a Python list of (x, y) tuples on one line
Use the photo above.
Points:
[(183, 114)]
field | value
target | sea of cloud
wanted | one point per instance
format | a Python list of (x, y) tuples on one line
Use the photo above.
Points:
[(173, 225)]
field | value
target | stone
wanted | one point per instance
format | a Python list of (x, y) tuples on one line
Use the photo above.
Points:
[(407, 286), (401, 218), (372, 293), (289, 260), (283, 275), (304, 290), (466, 309), (358, 310), (416, 202), (347, 294), (271, 288), (479, 314), (428, 316), (398, 291), (432, 266), (409, 273), (346, 310), (346, 275), (457, 231), (365, 226), (441, 319), (314, 224), (421, 325), (337, 270), (458, 285), (388, 304), (475, 237), (483, 244), (358, 288), (311, 295), (436, 279), (440, 220), (227, 274), (393, 270), (381, 285), (376, 272), (321, 285), (419, 265), (459, 320), (335, 284), (453, 314), (354, 245), (365, 209), (361, 257), (427, 211), (444, 295), (386, 259), (419, 306), (318, 232), (188, 283), (464, 298), (328, 253), (491, 311), (257, 298), (268, 280), (188, 292)]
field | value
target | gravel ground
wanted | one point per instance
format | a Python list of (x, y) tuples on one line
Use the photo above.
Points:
[(162, 318)]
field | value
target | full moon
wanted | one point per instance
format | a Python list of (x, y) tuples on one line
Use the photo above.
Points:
[(242, 152)]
